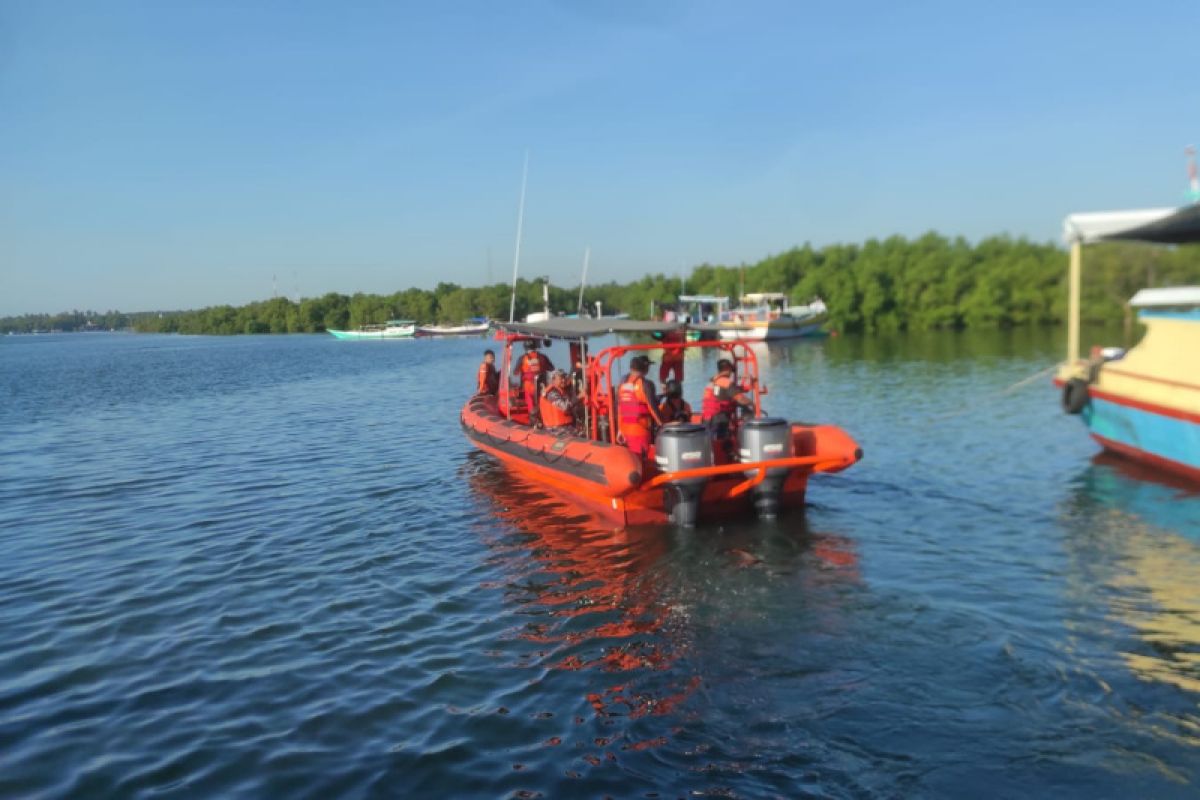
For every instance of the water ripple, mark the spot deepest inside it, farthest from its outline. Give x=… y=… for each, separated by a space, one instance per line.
x=273 y=567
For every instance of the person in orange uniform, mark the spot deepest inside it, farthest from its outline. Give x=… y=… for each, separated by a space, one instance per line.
x=532 y=368
x=636 y=408
x=555 y=406
x=722 y=397
x=672 y=407
x=672 y=358
x=489 y=378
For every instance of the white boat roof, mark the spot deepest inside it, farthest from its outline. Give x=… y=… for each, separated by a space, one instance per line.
x=1163 y=225
x=584 y=327
x=702 y=298
x=760 y=297
x=1172 y=297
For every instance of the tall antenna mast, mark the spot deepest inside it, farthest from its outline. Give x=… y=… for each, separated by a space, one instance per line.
x=512 y=302
x=583 y=281
x=1193 y=193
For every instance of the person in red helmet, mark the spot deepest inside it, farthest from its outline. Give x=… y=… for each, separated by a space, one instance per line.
x=636 y=407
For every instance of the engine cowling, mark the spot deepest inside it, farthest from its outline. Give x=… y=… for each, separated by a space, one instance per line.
x=764 y=439
x=682 y=446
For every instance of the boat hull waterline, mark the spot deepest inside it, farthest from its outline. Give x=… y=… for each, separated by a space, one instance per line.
x=614 y=483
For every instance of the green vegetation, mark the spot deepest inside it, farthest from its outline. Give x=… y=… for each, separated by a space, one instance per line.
x=925 y=283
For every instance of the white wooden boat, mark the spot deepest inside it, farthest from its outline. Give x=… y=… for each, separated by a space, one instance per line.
x=466 y=329
x=392 y=329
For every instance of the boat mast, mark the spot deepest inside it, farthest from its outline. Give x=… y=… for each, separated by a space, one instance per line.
x=583 y=281
x=512 y=302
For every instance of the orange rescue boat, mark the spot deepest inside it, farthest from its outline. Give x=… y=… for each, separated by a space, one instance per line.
x=688 y=475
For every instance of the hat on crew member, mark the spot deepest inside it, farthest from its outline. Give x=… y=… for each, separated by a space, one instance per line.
x=640 y=362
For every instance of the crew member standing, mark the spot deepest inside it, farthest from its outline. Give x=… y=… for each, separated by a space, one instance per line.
x=636 y=412
x=489 y=378
x=672 y=359
x=555 y=406
x=532 y=367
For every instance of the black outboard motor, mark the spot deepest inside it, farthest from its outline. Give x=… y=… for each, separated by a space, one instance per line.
x=764 y=439
x=681 y=446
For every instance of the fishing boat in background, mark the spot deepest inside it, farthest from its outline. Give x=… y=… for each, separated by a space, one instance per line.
x=688 y=475
x=1144 y=403
x=392 y=329
x=477 y=326
x=769 y=316
x=762 y=316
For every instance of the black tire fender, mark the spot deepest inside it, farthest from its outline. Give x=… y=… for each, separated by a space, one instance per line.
x=1075 y=396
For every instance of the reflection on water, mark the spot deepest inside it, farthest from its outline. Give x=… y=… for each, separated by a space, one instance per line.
x=273 y=567
x=1148 y=524
x=635 y=612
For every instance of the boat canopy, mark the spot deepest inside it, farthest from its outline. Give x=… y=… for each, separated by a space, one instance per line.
x=1162 y=225
x=703 y=298
x=764 y=297
x=1173 y=297
x=1157 y=225
x=584 y=328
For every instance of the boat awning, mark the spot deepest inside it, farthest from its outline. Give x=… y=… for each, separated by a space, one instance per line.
x=703 y=298
x=584 y=328
x=1173 y=297
x=1161 y=225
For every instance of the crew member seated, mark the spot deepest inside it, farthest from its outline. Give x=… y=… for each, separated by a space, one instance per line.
x=488 y=379
x=672 y=407
x=533 y=367
x=636 y=408
x=555 y=406
x=722 y=398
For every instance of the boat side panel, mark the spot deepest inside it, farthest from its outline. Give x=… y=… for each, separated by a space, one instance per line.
x=1137 y=430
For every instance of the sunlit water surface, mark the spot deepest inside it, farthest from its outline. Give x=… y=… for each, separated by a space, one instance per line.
x=273 y=567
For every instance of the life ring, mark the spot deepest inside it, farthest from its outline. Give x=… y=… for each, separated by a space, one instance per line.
x=1075 y=396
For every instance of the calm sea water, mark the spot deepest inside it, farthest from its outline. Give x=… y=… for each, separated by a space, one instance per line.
x=273 y=567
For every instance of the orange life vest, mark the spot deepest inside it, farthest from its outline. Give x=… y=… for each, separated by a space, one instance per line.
x=532 y=364
x=713 y=405
x=552 y=415
x=633 y=408
x=674 y=409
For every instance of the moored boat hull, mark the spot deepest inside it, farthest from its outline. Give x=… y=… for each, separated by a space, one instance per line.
x=771 y=331
x=393 y=330
x=1159 y=436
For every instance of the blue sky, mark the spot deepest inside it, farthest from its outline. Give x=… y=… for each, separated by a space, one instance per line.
x=173 y=155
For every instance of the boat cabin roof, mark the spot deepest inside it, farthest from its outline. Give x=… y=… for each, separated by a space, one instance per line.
x=1161 y=225
x=764 y=297
x=703 y=298
x=584 y=328
x=1174 y=297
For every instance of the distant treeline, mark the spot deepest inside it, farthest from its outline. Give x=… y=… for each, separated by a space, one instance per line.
x=893 y=284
